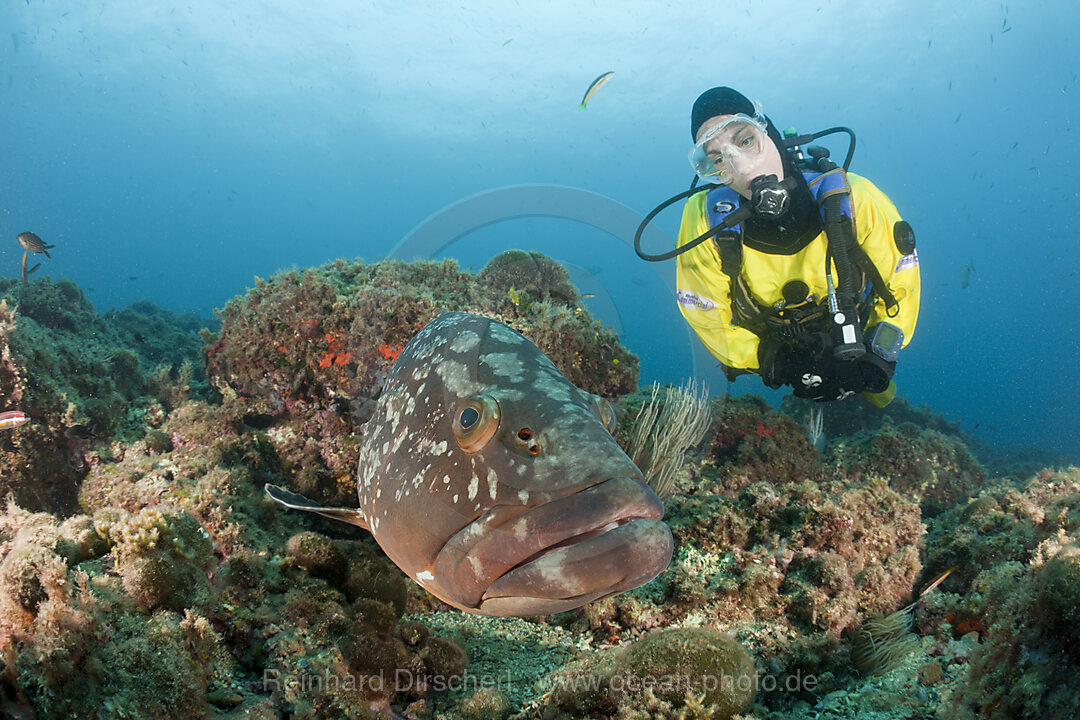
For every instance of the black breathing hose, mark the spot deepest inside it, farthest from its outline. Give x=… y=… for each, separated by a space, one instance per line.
x=845 y=275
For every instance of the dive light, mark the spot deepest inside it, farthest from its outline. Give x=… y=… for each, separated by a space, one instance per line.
x=845 y=332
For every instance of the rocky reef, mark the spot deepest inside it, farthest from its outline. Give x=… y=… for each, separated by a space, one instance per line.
x=143 y=573
x=85 y=379
x=304 y=353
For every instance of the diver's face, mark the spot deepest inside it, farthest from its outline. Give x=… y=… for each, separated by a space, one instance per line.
x=743 y=156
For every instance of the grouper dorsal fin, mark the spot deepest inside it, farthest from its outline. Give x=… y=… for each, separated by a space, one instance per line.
x=294 y=501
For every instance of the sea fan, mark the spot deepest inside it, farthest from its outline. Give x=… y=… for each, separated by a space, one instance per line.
x=665 y=428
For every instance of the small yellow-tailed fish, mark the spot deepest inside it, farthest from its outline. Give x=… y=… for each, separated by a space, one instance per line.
x=594 y=86
x=13 y=419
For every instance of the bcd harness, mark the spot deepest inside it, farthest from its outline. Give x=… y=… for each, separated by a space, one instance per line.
x=799 y=317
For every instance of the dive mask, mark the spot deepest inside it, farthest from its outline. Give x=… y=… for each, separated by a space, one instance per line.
x=733 y=145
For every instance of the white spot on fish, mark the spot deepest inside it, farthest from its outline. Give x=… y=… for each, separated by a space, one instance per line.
x=509 y=395
x=428 y=348
x=457 y=378
x=493 y=482
x=400 y=438
x=505 y=364
x=473 y=485
x=465 y=341
x=424 y=576
x=554 y=573
x=505 y=334
x=557 y=390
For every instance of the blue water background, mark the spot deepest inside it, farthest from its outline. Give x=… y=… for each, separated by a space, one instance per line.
x=174 y=152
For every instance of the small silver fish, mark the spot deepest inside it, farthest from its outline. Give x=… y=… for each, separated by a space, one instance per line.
x=492 y=481
x=34 y=244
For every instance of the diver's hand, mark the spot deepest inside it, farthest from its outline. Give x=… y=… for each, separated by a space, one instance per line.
x=831 y=379
x=804 y=370
x=774 y=363
x=781 y=364
x=875 y=372
x=818 y=375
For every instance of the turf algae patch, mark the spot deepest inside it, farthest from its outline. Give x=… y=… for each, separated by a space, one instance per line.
x=1059 y=594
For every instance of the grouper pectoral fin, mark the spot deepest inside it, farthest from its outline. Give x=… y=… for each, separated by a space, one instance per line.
x=294 y=501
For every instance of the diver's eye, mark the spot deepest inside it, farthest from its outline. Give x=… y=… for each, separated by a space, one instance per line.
x=607 y=414
x=475 y=422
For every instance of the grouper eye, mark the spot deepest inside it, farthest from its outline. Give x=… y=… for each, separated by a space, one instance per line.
x=607 y=414
x=475 y=422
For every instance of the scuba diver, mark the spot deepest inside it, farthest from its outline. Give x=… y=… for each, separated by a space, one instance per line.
x=789 y=266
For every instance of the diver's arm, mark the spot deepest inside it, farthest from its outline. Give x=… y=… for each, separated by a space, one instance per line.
x=705 y=294
x=876 y=219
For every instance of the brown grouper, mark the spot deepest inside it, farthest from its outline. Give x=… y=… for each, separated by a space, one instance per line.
x=495 y=483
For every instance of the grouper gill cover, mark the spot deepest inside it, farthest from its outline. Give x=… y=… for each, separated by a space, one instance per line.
x=495 y=483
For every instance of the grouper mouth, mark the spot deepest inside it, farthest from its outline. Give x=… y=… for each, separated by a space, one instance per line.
x=527 y=561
